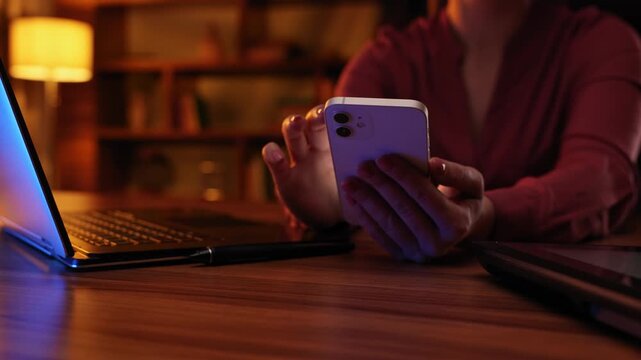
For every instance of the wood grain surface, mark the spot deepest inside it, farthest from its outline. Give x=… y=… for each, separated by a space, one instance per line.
x=351 y=306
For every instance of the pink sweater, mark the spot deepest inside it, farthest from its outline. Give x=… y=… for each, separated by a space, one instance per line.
x=562 y=133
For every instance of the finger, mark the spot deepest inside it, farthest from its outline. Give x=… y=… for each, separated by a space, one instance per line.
x=316 y=130
x=276 y=163
x=293 y=132
x=375 y=231
x=452 y=219
x=418 y=186
x=464 y=179
x=419 y=223
x=379 y=211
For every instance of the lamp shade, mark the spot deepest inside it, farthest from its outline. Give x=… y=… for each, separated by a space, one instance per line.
x=50 y=49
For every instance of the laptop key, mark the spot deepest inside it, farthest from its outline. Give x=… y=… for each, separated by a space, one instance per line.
x=118 y=228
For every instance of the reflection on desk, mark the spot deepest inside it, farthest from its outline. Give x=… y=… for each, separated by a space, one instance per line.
x=356 y=305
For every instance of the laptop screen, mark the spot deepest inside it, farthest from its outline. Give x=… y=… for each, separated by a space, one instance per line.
x=610 y=266
x=623 y=262
x=27 y=207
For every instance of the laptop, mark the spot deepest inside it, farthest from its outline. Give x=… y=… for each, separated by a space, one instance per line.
x=120 y=237
x=600 y=281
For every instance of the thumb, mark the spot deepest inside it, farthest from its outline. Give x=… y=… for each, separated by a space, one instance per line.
x=460 y=178
x=276 y=163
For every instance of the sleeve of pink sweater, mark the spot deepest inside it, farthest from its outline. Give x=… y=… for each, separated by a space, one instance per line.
x=593 y=185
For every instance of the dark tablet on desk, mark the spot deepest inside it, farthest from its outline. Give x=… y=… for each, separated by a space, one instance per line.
x=602 y=281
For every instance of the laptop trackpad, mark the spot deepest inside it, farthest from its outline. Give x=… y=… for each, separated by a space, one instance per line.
x=214 y=225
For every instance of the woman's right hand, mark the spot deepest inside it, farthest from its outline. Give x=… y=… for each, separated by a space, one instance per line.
x=305 y=183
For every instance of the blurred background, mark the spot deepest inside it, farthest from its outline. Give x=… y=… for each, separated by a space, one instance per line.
x=181 y=94
x=176 y=97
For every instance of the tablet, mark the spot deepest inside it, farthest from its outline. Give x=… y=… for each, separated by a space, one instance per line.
x=603 y=281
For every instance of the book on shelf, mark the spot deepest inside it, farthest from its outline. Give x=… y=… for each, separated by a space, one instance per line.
x=137 y=111
x=201 y=109
x=191 y=114
x=188 y=121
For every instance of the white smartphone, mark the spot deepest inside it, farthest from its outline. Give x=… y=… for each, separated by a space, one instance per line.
x=361 y=129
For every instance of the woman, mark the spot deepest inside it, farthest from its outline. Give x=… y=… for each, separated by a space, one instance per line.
x=534 y=122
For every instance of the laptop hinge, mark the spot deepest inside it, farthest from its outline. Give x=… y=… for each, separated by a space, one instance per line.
x=25 y=235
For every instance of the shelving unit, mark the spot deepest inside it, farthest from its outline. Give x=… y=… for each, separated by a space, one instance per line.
x=264 y=73
x=242 y=143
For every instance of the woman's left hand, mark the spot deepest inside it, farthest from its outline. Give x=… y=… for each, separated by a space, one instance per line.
x=415 y=216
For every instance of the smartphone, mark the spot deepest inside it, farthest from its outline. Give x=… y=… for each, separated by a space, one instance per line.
x=361 y=129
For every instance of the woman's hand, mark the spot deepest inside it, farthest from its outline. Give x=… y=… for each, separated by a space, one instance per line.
x=305 y=184
x=415 y=216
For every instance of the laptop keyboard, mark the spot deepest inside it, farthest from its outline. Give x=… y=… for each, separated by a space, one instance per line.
x=118 y=228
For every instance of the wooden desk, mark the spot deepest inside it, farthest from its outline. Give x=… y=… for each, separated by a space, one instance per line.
x=357 y=305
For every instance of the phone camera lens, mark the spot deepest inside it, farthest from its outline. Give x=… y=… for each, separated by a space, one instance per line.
x=341 y=118
x=343 y=131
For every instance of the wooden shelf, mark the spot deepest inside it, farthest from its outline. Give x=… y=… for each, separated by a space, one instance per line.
x=130 y=3
x=136 y=79
x=231 y=135
x=293 y=67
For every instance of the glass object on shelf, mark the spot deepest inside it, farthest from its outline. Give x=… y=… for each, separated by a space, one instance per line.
x=143 y=110
x=212 y=180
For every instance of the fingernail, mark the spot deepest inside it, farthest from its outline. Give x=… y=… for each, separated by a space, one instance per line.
x=385 y=163
x=437 y=167
x=296 y=122
x=350 y=200
x=348 y=186
x=366 y=169
x=273 y=153
x=319 y=110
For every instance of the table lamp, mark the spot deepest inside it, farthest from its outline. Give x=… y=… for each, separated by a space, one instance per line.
x=51 y=50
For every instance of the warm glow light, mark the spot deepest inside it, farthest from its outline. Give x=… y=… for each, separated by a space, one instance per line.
x=50 y=49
